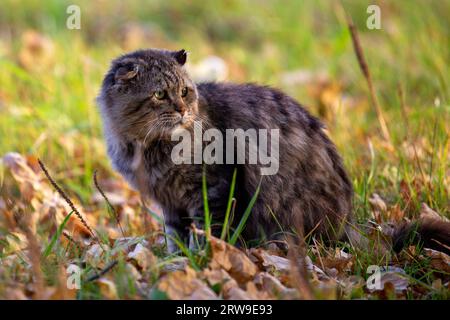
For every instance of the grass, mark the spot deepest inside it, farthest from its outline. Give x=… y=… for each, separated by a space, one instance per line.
x=47 y=109
x=231 y=199
x=56 y=236
x=240 y=227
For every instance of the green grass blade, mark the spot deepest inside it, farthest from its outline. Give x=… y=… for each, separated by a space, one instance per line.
x=154 y=215
x=245 y=216
x=56 y=236
x=205 y=203
x=186 y=251
x=229 y=205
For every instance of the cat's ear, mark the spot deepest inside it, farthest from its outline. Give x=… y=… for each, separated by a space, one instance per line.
x=126 y=72
x=180 y=56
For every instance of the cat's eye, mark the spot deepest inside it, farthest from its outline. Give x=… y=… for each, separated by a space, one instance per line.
x=160 y=94
x=184 y=92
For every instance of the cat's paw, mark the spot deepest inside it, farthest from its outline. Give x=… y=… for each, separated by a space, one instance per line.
x=171 y=246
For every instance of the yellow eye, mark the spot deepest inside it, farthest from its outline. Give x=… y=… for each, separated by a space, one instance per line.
x=160 y=94
x=184 y=92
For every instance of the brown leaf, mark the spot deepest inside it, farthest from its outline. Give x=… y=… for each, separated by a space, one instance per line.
x=218 y=276
x=143 y=257
x=439 y=260
x=427 y=213
x=249 y=292
x=202 y=293
x=340 y=261
x=46 y=202
x=16 y=293
x=107 y=288
x=174 y=265
x=377 y=203
x=395 y=214
x=231 y=259
x=271 y=262
x=62 y=292
x=184 y=284
x=268 y=283
x=236 y=293
x=393 y=278
x=95 y=254
x=17 y=241
x=29 y=181
x=37 y=51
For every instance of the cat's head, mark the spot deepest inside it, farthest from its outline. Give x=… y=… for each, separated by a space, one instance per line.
x=148 y=94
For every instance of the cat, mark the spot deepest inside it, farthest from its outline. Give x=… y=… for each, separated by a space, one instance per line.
x=147 y=96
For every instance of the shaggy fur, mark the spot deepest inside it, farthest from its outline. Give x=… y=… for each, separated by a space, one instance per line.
x=311 y=189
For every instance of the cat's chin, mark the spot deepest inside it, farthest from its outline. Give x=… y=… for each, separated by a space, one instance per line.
x=186 y=122
x=179 y=128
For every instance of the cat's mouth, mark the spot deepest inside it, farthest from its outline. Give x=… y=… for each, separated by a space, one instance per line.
x=166 y=125
x=186 y=120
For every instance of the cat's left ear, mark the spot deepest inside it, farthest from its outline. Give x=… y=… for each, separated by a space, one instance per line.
x=180 y=56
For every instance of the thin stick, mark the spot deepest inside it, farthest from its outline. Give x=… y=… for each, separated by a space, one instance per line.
x=102 y=272
x=67 y=199
x=24 y=223
x=72 y=240
x=365 y=70
x=297 y=256
x=116 y=216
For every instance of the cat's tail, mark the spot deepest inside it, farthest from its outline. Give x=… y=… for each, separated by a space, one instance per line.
x=426 y=232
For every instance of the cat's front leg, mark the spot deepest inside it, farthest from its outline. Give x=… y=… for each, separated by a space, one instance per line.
x=171 y=234
x=176 y=229
x=124 y=157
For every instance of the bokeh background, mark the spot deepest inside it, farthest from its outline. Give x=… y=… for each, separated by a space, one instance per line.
x=50 y=76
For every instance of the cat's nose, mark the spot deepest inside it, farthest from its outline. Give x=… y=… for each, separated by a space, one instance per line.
x=180 y=107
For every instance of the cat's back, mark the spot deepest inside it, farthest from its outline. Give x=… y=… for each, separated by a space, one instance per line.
x=253 y=106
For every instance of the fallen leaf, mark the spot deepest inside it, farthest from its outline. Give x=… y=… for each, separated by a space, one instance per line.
x=271 y=262
x=395 y=214
x=339 y=261
x=395 y=276
x=133 y=272
x=249 y=292
x=377 y=203
x=427 y=213
x=176 y=264
x=143 y=257
x=94 y=255
x=217 y=276
x=46 y=202
x=37 y=51
x=236 y=293
x=127 y=245
x=268 y=283
x=107 y=288
x=439 y=260
x=29 y=181
x=184 y=284
x=231 y=259
x=16 y=241
x=203 y=293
